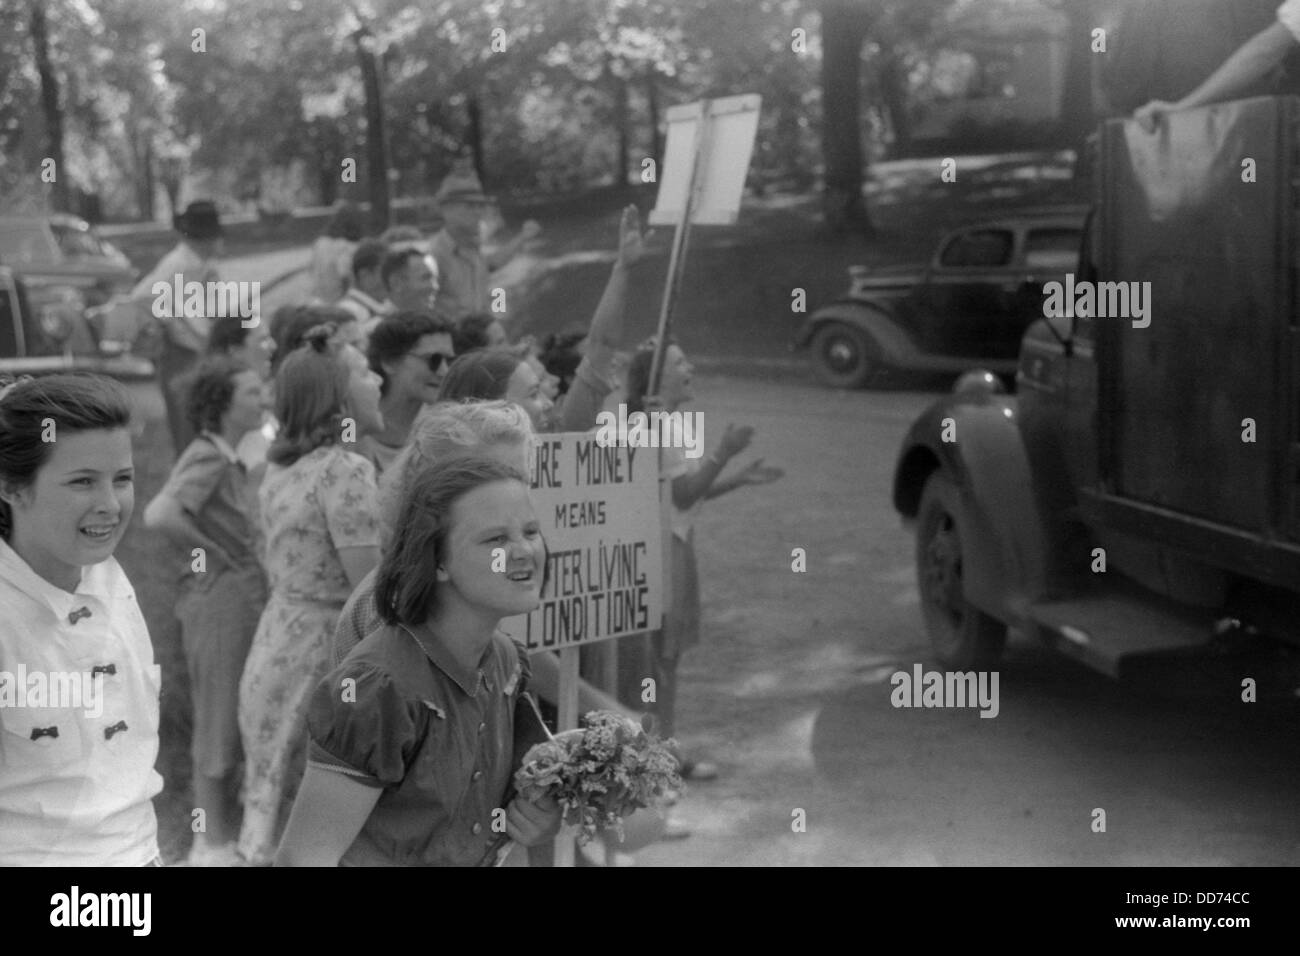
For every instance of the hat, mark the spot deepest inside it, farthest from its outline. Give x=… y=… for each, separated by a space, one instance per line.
x=199 y=221
x=461 y=185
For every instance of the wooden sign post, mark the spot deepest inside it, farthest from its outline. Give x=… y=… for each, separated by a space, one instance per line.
x=706 y=159
x=602 y=516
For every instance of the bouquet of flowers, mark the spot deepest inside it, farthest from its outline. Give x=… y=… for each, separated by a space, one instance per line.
x=600 y=773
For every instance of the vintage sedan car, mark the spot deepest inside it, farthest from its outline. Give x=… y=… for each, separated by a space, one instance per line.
x=56 y=337
x=969 y=305
x=59 y=253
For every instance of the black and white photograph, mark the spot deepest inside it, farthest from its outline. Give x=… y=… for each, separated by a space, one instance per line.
x=652 y=433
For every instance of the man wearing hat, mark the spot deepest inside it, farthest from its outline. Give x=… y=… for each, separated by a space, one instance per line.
x=183 y=338
x=463 y=270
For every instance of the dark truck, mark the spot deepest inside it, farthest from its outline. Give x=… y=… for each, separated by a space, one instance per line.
x=1141 y=493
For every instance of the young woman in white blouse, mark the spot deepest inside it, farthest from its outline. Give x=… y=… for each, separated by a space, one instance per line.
x=78 y=684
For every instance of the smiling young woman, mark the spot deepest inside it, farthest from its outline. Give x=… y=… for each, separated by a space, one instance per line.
x=412 y=736
x=76 y=787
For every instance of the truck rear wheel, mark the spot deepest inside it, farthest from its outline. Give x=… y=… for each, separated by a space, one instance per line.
x=847 y=357
x=962 y=636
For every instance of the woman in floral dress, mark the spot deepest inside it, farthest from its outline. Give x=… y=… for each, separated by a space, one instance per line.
x=318 y=515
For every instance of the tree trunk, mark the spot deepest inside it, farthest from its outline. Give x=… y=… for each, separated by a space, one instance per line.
x=327 y=183
x=172 y=173
x=146 y=178
x=652 y=107
x=376 y=143
x=50 y=105
x=1076 y=99
x=475 y=110
x=893 y=93
x=844 y=27
x=624 y=133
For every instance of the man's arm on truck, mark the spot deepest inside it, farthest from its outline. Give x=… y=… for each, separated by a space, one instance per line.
x=1254 y=60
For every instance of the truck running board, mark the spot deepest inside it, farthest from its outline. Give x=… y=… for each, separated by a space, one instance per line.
x=1103 y=628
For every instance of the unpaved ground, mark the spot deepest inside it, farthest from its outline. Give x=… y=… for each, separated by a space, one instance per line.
x=790 y=693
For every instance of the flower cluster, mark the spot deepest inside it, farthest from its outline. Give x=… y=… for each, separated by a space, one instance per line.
x=600 y=773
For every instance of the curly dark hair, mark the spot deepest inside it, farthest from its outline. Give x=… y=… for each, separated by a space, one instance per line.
x=638 y=373
x=396 y=335
x=209 y=392
x=561 y=357
x=471 y=332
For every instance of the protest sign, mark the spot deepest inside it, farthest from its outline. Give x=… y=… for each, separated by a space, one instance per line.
x=600 y=514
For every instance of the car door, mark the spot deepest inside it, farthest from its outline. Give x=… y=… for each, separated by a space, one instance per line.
x=12 y=337
x=966 y=304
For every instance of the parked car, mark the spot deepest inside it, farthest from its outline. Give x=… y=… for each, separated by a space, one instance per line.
x=56 y=338
x=64 y=252
x=970 y=304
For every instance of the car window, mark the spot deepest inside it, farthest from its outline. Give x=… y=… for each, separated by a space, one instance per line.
x=979 y=248
x=1056 y=250
x=22 y=242
x=77 y=243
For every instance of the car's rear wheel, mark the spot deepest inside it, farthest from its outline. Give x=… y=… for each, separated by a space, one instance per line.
x=848 y=357
x=962 y=636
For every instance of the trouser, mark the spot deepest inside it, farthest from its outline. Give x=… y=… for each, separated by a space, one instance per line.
x=173 y=365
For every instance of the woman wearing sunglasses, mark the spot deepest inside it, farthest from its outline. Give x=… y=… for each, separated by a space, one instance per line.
x=411 y=352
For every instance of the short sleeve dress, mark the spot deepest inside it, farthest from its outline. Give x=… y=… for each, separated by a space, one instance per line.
x=310 y=509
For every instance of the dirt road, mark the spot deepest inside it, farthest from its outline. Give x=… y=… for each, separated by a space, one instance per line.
x=790 y=693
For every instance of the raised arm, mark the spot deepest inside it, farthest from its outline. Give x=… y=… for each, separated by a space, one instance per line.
x=688 y=489
x=1253 y=61
x=606 y=332
x=508 y=250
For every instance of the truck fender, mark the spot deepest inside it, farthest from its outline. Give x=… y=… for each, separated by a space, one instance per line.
x=1004 y=546
x=875 y=320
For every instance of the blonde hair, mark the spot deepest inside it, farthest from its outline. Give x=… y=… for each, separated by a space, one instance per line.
x=443 y=431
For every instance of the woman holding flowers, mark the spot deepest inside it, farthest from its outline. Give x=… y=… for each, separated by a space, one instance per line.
x=412 y=737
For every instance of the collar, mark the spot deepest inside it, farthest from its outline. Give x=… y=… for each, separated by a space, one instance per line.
x=223 y=446
x=467 y=679
x=102 y=581
x=369 y=301
x=463 y=250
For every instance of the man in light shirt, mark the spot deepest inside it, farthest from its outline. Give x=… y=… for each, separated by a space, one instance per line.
x=411 y=277
x=367 y=299
x=184 y=338
x=463 y=268
x=1254 y=60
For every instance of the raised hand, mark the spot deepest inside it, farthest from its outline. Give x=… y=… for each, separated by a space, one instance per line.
x=1150 y=115
x=530 y=230
x=735 y=440
x=756 y=473
x=632 y=241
